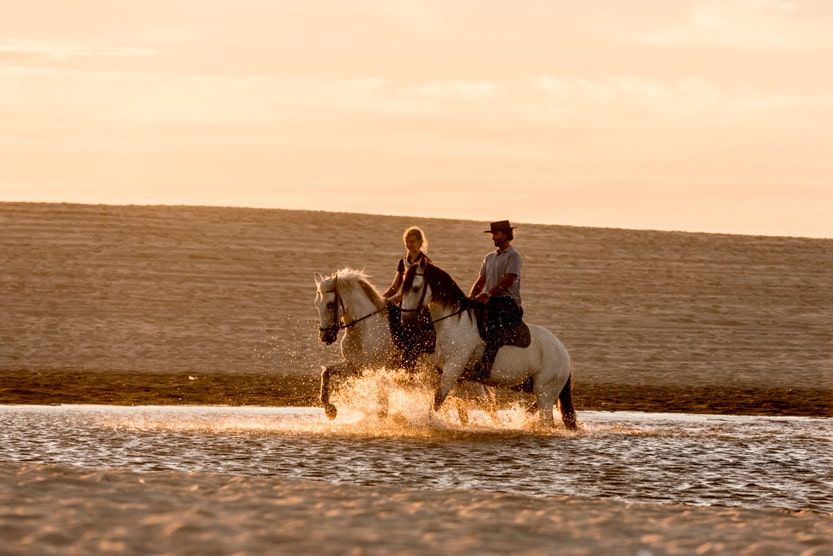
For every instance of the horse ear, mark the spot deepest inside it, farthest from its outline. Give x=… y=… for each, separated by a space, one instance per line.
x=423 y=262
x=318 y=279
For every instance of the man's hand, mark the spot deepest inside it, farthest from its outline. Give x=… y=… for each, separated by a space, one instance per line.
x=395 y=299
x=477 y=287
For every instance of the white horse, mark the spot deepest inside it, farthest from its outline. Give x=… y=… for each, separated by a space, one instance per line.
x=545 y=362
x=347 y=300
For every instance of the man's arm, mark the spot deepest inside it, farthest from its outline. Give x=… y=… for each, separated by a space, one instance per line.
x=507 y=280
x=477 y=287
x=501 y=286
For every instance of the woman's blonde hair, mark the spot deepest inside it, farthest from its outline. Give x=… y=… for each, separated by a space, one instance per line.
x=414 y=231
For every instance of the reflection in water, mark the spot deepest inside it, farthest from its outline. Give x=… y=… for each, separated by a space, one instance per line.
x=716 y=460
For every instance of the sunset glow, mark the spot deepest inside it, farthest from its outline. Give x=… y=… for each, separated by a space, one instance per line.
x=700 y=115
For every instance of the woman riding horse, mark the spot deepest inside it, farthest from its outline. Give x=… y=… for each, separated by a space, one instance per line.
x=418 y=336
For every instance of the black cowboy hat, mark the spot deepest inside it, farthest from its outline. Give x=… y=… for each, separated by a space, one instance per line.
x=499 y=226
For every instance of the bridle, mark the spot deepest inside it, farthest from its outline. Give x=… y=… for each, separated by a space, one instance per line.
x=421 y=303
x=338 y=324
x=419 y=306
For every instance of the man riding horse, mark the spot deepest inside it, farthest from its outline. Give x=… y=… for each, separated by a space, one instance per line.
x=499 y=287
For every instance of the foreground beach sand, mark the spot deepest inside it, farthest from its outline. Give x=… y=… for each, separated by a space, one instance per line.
x=49 y=509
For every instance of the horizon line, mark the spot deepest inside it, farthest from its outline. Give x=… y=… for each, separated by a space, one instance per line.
x=390 y=215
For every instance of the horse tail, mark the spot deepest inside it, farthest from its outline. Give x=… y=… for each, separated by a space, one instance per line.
x=565 y=404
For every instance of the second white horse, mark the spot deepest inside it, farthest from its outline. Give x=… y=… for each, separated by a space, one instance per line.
x=545 y=362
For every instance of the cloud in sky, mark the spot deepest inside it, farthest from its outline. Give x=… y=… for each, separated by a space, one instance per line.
x=746 y=24
x=130 y=98
x=285 y=100
x=22 y=49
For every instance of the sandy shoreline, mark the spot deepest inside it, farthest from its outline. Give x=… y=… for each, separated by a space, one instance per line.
x=148 y=388
x=210 y=290
x=110 y=304
x=61 y=510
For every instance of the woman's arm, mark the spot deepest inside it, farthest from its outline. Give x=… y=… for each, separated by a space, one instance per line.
x=394 y=287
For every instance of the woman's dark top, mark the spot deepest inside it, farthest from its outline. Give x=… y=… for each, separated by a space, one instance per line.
x=414 y=339
x=404 y=263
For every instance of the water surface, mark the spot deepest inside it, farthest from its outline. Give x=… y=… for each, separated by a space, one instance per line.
x=754 y=462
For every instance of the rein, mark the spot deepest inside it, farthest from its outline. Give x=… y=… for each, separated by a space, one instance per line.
x=457 y=312
x=338 y=323
x=421 y=298
x=421 y=304
x=356 y=321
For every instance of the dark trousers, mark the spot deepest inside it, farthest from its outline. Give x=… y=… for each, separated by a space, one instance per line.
x=503 y=314
x=412 y=339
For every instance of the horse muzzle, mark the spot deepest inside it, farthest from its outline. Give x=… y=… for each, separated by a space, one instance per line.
x=409 y=315
x=328 y=335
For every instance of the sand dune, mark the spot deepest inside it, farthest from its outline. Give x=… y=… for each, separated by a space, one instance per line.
x=197 y=289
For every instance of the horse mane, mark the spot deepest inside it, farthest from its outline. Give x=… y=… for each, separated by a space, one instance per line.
x=350 y=276
x=444 y=290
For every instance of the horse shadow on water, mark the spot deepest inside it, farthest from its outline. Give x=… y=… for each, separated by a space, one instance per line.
x=347 y=300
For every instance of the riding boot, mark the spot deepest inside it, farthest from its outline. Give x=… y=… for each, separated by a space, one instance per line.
x=411 y=346
x=483 y=368
x=409 y=356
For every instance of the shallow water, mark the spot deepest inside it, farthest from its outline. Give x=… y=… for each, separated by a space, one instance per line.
x=754 y=462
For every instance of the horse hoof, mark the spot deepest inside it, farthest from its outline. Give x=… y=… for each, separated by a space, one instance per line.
x=331 y=411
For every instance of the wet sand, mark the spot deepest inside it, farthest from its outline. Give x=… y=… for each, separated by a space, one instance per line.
x=264 y=389
x=63 y=510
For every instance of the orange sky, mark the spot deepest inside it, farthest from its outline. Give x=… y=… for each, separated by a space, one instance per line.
x=702 y=115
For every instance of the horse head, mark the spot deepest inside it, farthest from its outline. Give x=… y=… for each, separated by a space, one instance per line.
x=328 y=303
x=416 y=292
x=425 y=285
x=344 y=299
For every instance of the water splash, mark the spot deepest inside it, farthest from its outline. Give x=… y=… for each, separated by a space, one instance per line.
x=381 y=404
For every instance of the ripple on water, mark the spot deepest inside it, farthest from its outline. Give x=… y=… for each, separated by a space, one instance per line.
x=753 y=462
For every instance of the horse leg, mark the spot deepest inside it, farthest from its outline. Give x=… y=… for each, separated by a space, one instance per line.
x=462 y=412
x=546 y=402
x=466 y=392
x=329 y=409
x=565 y=404
x=447 y=382
x=382 y=397
x=490 y=399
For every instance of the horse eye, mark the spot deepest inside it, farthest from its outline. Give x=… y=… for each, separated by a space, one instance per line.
x=330 y=305
x=416 y=289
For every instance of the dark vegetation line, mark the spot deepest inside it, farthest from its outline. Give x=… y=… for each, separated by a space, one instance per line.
x=263 y=389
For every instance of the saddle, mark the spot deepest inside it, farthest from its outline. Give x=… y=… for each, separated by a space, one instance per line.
x=517 y=335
